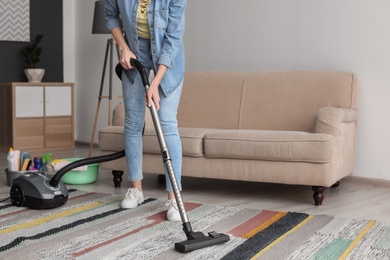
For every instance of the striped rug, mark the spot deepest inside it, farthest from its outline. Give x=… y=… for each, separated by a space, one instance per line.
x=92 y=226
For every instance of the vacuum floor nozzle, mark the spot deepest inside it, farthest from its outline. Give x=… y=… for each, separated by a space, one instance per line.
x=198 y=240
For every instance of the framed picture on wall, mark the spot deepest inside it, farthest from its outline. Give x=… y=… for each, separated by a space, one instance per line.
x=15 y=20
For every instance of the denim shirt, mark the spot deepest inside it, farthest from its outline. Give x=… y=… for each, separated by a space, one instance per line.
x=166 y=24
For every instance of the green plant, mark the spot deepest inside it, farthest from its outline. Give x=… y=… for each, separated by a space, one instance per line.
x=32 y=52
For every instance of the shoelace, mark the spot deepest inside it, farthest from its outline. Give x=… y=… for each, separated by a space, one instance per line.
x=133 y=192
x=173 y=203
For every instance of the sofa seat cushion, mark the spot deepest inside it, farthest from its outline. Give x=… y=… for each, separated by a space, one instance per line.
x=291 y=146
x=111 y=138
x=191 y=141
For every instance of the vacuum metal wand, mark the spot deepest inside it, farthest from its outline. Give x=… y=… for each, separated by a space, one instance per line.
x=195 y=240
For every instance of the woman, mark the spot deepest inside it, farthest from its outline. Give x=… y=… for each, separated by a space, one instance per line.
x=153 y=32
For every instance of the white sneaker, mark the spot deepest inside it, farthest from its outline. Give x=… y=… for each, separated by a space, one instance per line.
x=132 y=199
x=173 y=211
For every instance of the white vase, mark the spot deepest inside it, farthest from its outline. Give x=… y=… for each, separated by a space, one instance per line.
x=34 y=75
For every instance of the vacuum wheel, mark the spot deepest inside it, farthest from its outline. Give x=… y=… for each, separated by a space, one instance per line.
x=17 y=195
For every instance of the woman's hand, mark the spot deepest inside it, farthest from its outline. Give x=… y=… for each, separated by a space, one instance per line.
x=126 y=55
x=153 y=95
x=124 y=49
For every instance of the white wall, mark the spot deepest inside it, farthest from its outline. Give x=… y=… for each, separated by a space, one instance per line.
x=69 y=20
x=250 y=35
x=84 y=66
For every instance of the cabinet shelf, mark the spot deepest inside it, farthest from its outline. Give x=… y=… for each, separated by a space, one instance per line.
x=36 y=116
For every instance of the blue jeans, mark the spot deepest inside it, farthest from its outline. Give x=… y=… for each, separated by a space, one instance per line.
x=135 y=108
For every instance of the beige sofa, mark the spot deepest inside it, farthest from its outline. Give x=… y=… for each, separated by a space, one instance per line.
x=277 y=127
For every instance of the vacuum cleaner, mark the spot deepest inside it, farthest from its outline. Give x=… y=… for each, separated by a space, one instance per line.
x=42 y=191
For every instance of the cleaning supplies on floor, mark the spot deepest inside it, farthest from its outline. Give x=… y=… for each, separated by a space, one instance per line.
x=22 y=161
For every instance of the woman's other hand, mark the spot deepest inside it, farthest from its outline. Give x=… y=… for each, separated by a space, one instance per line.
x=153 y=95
x=126 y=55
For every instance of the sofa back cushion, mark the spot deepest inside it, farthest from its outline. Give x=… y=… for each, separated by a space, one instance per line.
x=290 y=100
x=211 y=100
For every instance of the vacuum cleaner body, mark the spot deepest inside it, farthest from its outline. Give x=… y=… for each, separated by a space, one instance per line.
x=33 y=190
x=45 y=191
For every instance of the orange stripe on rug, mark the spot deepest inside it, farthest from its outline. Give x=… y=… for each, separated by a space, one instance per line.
x=282 y=237
x=264 y=225
x=252 y=223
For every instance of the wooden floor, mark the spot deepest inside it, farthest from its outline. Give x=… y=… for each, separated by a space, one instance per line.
x=354 y=198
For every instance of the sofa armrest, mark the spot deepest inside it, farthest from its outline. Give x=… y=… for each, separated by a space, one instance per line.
x=329 y=119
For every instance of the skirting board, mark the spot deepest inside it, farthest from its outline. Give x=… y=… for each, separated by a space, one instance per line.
x=372 y=181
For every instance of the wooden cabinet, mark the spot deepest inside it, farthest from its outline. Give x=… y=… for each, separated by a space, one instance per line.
x=36 y=116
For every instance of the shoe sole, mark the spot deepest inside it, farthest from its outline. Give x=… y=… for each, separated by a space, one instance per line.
x=132 y=207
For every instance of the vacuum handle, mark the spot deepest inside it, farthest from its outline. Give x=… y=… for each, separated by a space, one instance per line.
x=135 y=63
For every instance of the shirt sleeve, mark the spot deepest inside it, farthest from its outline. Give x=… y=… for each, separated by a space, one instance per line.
x=174 y=33
x=113 y=19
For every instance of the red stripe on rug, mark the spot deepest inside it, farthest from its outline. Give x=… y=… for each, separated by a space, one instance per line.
x=191 y=205
x=82 y=195
x=158 y=218
x=162 y=216
x=14 y=213
x=114 y=239
x=252 y=223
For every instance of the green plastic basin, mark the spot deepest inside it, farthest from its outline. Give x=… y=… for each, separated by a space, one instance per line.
x=81 y=177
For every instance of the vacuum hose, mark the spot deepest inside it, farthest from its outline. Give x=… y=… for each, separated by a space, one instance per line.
x=98 y=159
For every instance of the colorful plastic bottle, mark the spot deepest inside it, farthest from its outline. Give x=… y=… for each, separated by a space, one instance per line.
x=37 y=163
x=10 y=160
x=16 y=160
x=47 y=166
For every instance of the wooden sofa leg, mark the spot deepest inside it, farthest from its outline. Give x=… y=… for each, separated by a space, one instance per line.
x=117 y=178
x=161 y=179
x=318 y=195
x=337 y=184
